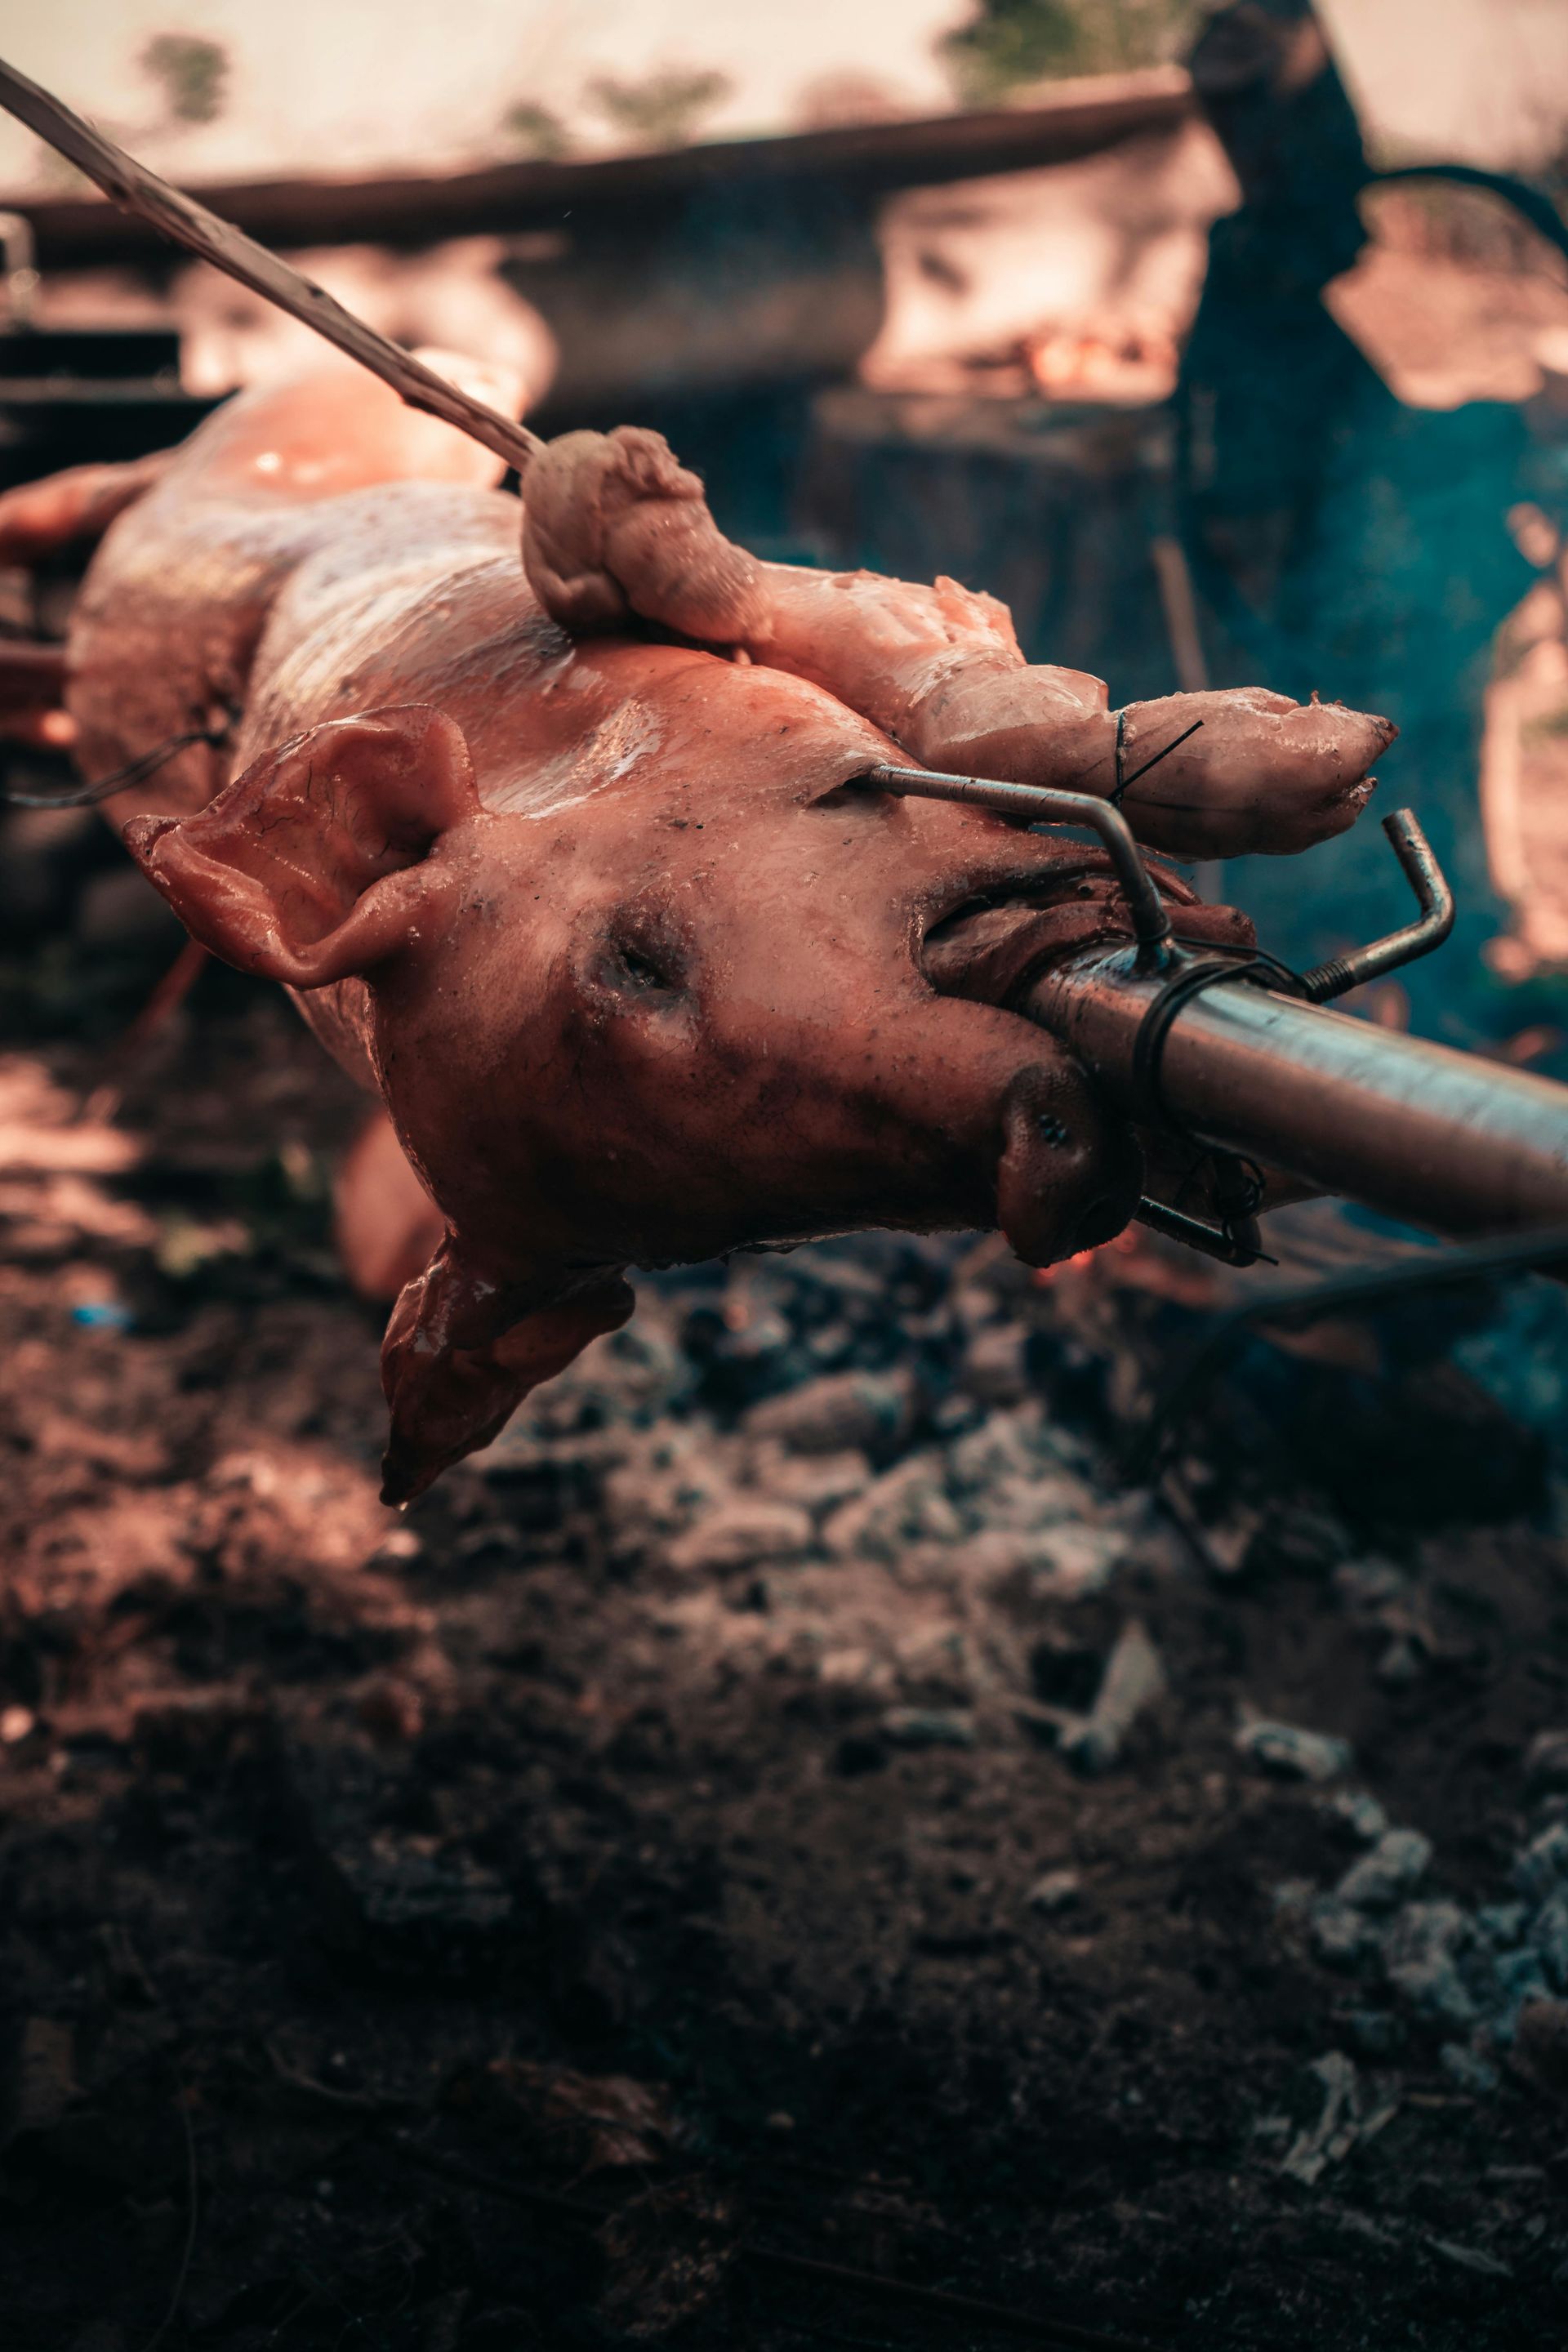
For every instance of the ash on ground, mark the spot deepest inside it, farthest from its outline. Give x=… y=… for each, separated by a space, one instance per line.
x=799 y=1791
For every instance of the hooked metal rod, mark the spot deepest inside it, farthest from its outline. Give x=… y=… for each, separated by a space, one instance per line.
x=1429 y=930
x=180 y=219
x=1043 y=805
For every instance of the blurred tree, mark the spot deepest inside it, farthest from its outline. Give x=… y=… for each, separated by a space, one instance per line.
x=192 y=74
x=1011 y=42
x=539 y=131
x=664 y=108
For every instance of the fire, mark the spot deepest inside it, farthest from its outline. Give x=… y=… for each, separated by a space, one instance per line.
x=1123 y=1244
x=1130 y=359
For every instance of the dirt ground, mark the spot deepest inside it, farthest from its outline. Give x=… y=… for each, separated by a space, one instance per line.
x=656 y=1891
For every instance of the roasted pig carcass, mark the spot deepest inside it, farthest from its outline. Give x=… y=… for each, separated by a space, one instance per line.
x=569 y=860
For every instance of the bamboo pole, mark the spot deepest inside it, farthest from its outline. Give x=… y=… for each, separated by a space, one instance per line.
x=179 y=217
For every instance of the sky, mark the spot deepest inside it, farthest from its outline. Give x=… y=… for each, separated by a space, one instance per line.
x=330 y=86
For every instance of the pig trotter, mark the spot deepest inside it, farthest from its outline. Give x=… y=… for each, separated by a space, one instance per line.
x=617 y=531
x=455 y=1367
x=38 y=518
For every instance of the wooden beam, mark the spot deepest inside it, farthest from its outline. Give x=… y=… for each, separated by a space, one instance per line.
x=870 y=160
x=185 y=223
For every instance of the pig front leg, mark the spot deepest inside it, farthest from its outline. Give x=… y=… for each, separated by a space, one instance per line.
x=615 y=532
x=457 y=1361
x=1220 y=774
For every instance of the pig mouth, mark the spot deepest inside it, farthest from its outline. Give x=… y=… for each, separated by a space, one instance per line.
x=995 y=942
x=1069 y=1171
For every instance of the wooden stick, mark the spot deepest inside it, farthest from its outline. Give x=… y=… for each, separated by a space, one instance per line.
x=136 y=190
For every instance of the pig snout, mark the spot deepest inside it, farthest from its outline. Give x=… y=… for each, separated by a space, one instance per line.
x=1069 y=1175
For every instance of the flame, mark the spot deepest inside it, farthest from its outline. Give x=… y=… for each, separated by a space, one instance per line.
x=1113 y=359
x=1123 y=1244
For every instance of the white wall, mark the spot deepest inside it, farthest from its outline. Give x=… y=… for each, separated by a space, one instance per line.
x=338 y=85
x=346 y=85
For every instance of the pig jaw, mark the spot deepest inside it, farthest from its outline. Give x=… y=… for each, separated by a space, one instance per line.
x=530 y=1269
x=967 y=1126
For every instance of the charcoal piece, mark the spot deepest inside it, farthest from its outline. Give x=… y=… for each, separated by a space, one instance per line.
x=928 y=1726
x=1541 y=2046
x=1381 y=1878
x=738 y=1532
x=869 y=1410
x=1421 y=1954
x=1546 y=1761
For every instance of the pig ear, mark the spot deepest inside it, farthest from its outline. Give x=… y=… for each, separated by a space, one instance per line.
x=458 y=1361
x=312 y=865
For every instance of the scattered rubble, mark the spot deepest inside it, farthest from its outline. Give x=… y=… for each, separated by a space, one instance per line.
x=1290 y=1753
x=1353 y=2110
x=1134 y=1677
x=1476 y=1973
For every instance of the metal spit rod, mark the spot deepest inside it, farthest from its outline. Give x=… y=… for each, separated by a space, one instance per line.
x=1442 y=1139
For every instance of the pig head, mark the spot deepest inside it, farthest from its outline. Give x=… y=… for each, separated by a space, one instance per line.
x=685 y=1011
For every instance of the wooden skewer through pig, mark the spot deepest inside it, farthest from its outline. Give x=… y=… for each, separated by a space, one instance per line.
x=179 y=217
x=569 y=860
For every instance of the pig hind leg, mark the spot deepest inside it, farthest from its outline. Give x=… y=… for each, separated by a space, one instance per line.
x=73 y=509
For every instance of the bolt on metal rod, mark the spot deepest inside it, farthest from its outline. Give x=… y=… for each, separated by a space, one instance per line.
x=1432 y=926
x=1043 y=805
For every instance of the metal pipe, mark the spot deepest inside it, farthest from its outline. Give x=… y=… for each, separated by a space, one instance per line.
x=1442 y=1139
x=1436 y=920
x=1042 y=804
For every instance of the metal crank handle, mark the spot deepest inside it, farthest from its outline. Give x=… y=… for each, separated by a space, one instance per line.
x=1432 y=926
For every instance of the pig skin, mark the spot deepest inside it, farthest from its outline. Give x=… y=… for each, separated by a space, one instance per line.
x=636 y=968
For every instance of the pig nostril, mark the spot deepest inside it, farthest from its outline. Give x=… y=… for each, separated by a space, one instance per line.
x=1053 y=1131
